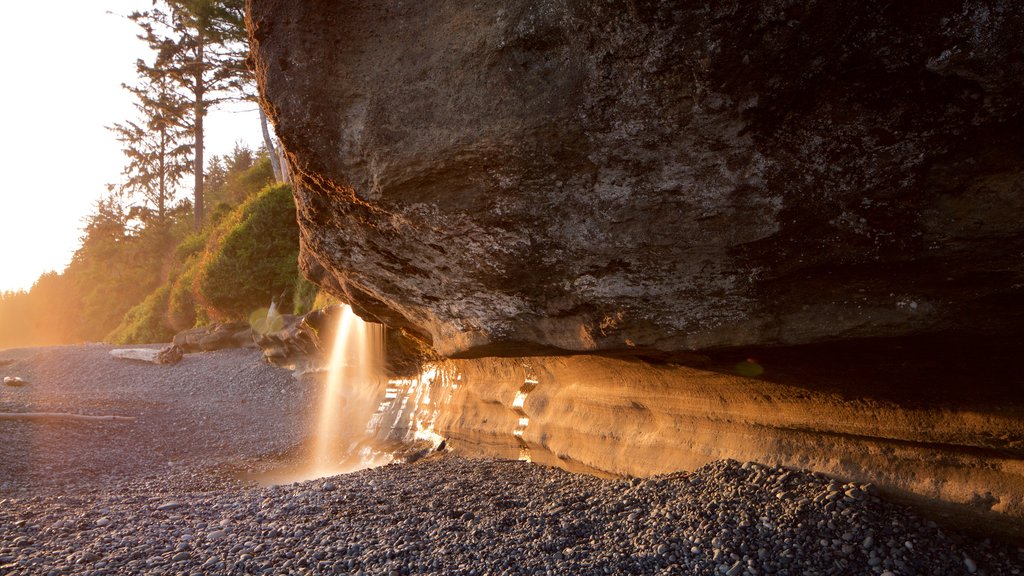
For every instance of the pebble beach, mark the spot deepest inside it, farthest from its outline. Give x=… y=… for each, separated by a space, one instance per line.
x=166 y=493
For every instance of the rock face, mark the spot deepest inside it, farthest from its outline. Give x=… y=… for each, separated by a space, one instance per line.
x=825 y=196
x=654 y=176
x=622 y=417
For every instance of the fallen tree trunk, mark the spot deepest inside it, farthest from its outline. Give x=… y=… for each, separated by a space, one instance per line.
x=62 y=416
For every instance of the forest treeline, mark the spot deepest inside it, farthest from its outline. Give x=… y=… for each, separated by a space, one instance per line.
x=151 y=262
x=137 y=282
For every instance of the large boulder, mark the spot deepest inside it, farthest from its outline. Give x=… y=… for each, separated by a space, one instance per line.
x=599 y=176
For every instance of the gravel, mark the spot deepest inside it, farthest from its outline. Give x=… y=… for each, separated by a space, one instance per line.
x=216 y=409
x=163 y=495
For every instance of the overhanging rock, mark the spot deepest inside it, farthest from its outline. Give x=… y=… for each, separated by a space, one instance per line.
x=654 y=176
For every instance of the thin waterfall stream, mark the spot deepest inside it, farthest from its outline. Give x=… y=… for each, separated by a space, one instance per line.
x=351 y=394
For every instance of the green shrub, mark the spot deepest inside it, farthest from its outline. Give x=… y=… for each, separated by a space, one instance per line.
x=256 y=177
x=181 y=305
x=324 y=299
x=305 y=295
x=145 y=323
x=192 y=244
x=252 y=257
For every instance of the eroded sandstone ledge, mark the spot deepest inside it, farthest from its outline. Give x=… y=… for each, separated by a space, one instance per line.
x=963 y=463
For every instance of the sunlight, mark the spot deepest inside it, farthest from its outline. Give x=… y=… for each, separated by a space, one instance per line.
x=64 y=154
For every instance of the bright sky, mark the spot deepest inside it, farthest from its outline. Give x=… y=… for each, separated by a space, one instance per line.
x=62 y=66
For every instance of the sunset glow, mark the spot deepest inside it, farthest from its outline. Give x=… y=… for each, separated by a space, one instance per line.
x=64 y=63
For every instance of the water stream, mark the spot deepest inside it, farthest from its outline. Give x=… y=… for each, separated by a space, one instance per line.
x=352 y=392
x=365 y=420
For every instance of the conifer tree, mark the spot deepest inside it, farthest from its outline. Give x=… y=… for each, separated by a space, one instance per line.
x=200 y=46
x=157 y=144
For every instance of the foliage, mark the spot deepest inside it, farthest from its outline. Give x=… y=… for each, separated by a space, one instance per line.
x=156 y=145
x=142 y=284
x=252 y=257
x=305 y=295
x=181 y=306
x=36 y=317
x=192 y=244
x=116 y=266
x=324 y=299
x=144 y=322
x=143 y=256
x=233 y=177
x=200 y=48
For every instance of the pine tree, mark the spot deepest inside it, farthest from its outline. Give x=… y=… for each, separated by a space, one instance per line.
x=157 y=145
x=200 y=46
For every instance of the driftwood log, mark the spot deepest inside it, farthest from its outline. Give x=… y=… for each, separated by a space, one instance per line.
x=44 y=416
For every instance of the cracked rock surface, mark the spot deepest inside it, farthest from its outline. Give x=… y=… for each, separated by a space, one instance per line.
x=637 y=176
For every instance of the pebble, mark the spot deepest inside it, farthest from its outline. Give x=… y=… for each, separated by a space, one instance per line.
x=410 y=519
x=438 y=516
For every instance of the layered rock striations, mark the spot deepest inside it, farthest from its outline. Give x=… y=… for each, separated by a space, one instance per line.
x=793 y=230
x=654 y=175
x=618 y=417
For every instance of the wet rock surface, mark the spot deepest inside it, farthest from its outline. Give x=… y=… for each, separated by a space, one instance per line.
x=515 y=180
x=302 y=343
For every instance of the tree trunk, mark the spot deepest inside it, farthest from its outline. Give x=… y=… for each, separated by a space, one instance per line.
x=200 y=110
x=275 y=162
x=286 y=174
x=161 y=199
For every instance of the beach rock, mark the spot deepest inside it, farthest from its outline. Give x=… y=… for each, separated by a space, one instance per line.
x=14 y=381
x=217 y=336
x=665 y=176
x=292 y=343
x=170 y=355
